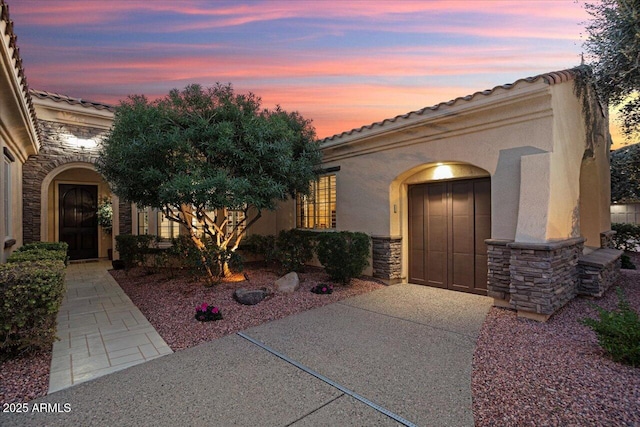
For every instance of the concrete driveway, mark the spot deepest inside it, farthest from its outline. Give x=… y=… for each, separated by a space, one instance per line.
x=398 y=355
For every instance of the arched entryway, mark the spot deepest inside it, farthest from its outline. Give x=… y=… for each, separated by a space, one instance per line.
x=448 y=219
x=70 y=195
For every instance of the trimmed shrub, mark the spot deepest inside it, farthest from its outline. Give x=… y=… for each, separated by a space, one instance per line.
x=133 y=248
x=627 y=264
x=344 y=255
x=49 y=246
x=293 y=249
x=627 y=236
x=618 y=331
x=31 y=293
x=264 y=246
x=37 y=255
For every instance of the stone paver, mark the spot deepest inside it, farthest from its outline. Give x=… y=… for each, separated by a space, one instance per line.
x=100 y=329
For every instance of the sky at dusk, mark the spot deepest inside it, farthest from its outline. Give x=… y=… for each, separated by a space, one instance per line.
x=342 y=64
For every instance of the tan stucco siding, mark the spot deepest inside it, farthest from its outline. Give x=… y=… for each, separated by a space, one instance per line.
x=371 y=186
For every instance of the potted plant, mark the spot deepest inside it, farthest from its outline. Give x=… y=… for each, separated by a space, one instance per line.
x=105 y=215
x=105 y=219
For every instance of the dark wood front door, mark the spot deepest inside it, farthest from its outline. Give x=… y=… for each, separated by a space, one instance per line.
x=78 y=221
x=448 y=223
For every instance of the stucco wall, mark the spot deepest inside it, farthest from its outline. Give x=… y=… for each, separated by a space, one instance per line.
x=494 y=136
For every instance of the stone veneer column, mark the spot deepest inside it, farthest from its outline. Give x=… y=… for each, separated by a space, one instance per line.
x=125 y=218
x=387 y=258
x=498 y=271
x=544 y=276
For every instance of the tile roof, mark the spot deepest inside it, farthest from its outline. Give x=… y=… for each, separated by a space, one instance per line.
x=56 y=97
x=4 y=16
x=551 y=78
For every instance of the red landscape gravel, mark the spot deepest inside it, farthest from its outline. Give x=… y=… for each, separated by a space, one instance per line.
x=24 y=378
x=170 y=304
x=527 y=373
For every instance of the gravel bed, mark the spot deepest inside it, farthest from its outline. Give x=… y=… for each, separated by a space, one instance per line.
x=24 y=378
x=170 y=303
x=527 y=373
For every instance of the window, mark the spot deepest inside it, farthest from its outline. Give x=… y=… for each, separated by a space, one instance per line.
x=143 y=221
x=234 y=217
x=318 y=209
x=167 y=229
x=6 y=192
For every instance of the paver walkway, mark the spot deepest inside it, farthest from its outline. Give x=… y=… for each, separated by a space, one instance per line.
x=100 y=329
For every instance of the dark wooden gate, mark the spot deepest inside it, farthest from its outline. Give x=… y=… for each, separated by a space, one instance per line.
x=78 y=220
x=448 y=223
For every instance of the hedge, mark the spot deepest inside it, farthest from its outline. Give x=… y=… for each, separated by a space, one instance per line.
x=31 y=293
x=37 y=255
x=49 y=246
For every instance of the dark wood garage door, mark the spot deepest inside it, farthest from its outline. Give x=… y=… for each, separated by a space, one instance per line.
x=78 y=220
x=448 y=223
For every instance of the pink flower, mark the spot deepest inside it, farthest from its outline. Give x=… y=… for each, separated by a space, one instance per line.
x=324 y=289
x=215 y=310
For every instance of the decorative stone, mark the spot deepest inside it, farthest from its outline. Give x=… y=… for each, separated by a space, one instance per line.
x=288 y=283
x=250 y=296
x=387 y=258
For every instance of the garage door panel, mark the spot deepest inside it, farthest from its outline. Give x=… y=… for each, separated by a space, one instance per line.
x=416 y=267
x=462 y=234
x=448 y=223
x=436 y=234
x=481 y=272
x=437 y=268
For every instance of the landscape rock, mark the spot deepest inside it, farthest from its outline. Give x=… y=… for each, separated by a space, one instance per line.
x=288 y=283
x=250 y=296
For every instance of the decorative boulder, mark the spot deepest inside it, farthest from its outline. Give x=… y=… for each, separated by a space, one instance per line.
x=288 y=283
x=250 y=296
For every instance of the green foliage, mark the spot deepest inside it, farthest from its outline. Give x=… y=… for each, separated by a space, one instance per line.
x=262 y=245
x=344 y=255
x=627 y=264
x=613 y=45
x=36 y=254
x=200 y=262
x=625 y=174
x=105 y=215
x=293 y=249
x=627 y=236
x=30 y=296
x=133 y=248
x=210 y=150
x=618 y=331
x=50 y=246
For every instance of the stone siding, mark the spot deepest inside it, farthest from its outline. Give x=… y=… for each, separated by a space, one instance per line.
x=387 y=258
x=498 y=268
x=55 y=151
x=125 y=217
x=598 y=271
x=544 y=276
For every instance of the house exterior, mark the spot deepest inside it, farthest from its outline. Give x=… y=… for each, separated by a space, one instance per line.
x=19 y=136
x=498 y=193
x=502 y=193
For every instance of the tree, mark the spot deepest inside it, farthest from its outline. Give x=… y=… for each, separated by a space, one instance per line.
x=613 y=46
x=625 y=174
x=197 y=153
